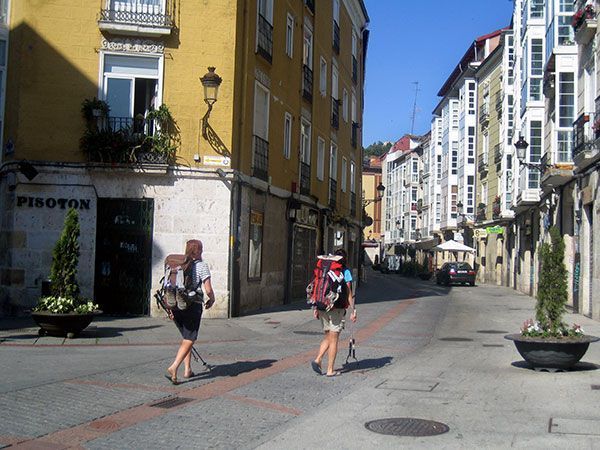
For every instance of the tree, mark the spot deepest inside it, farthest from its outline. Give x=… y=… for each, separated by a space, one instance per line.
x=552 y=289
x=65 y=258
x=377 y=148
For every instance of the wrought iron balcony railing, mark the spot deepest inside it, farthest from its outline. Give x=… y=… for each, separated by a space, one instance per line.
x=332 y=193
x=260 y=160
x=265 y=38
x=335 y=113
x=482 y=162
x=143 y=14
x=497 y=153
x=307 y=83
x=310 y=4
x=304 y=178
x=336 y=37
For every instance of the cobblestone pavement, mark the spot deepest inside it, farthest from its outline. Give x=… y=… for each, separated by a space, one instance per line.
x=104 y=389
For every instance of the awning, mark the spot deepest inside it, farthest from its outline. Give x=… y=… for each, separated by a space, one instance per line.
x=453 y=246
x=427 y=244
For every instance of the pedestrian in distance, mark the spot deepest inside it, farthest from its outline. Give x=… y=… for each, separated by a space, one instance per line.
x=188 y=320
x=333 y=322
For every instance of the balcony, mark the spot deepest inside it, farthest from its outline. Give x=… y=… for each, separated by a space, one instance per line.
x=335 y=113
x=336 y=37
x=497 y=153
x=482 y=163
x=584 y=23
x=354 y=69
x=304 y=178
x=484 y=114
x=555 y=174
x=354 y=139
x=260 y=158
x=136 y=17
x=586 y=142
x=307 y=83
x=332 y=193
x=265 y=38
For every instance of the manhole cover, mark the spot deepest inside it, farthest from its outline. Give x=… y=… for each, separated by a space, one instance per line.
x=407 y=426
x=309 y=333
x=492 y=331
x=456 y=339
x=171 y=402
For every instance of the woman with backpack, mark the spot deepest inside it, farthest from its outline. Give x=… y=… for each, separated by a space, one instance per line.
x=188 y=320
x=333 y=322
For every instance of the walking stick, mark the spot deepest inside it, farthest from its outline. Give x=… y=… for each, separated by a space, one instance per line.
x=351 y=346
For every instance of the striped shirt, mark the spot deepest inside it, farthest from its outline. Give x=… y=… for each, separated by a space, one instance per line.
x=201 y=272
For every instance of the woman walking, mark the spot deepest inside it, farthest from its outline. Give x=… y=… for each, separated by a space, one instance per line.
x=188 y=320
x=333 y=322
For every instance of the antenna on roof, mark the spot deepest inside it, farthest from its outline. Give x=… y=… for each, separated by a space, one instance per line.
x=414 y=111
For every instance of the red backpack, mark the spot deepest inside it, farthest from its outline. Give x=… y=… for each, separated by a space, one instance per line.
x=327 y=286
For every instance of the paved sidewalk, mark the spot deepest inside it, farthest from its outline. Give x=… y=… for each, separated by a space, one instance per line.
x=426 y=352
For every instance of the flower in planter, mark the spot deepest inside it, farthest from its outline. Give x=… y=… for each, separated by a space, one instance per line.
x=581 y=15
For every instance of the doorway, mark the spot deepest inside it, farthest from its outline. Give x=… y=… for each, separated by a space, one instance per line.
x=303 y=260
x=122 y=281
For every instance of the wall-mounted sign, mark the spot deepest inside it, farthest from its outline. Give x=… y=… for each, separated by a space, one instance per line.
x=216 y=161
x=307 y=216
x=496 y=229
x=51 y=202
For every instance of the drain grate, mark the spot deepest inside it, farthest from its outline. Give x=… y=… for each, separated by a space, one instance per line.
x=493 y=345
x=309 y=333
x=407 y=426
x=171 y=402
x=492 y=331
x=595 y=387
x=456 y=339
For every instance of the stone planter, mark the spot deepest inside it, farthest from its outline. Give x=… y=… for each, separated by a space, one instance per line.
x=69 y=325
x=551 y=353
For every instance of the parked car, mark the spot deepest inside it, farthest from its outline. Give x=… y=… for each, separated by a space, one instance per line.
x=455 y=272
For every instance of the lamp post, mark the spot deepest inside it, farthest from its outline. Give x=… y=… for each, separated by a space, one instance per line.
x=521 y=146
x=380 y=189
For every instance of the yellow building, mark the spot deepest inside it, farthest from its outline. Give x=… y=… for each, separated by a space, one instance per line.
x=267 y=175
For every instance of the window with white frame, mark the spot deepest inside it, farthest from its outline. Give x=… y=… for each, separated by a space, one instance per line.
x=345 y=105
x=334 y=82
x=287 y=135
x=353 y=109
x=344 y=173
x=131 y=86
x=536 y=9
x=320 y=158
x=307 y=53
x=565 y=29
x=289 y=36
x=305 y=141
x=323 y=77
x=264 y=29
x=333 y=161
x=537 y=69
x=352 y=177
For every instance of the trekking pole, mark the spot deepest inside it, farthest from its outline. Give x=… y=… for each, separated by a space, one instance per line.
x=351 y=346
x=197 y=357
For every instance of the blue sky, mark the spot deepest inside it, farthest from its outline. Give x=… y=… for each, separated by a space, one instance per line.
x=416 y=40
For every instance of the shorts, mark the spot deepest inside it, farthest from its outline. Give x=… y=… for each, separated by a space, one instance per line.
x=188 y=321
x=333 y=320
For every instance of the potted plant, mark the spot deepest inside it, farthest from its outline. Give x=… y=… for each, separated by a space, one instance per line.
x=425 y=273
x=547 y=342
x=64 y=312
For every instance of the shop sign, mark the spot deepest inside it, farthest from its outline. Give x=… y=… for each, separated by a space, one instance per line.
x=24 y=201
x=307 y=216
x=480 y=233
x=496 y=229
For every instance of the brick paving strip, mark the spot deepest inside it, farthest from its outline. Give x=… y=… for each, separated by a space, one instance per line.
x=78 y=435
x=6 y=343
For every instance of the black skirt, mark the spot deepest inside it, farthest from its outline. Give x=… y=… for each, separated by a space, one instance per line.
x=188 y=321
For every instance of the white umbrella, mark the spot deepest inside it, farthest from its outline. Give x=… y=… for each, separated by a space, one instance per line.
x=453 y=246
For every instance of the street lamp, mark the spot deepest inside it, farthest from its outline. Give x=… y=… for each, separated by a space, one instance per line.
x=380 y=189
x=211 y=82
x=521 y=146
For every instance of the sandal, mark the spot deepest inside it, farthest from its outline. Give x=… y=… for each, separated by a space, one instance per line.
x=316 y=367
x=191 y=375
x=172 y=379
x=334 y=374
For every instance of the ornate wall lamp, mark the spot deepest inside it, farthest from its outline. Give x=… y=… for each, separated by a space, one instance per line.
x=211 y=82
x=521 y=146
x=380 y=189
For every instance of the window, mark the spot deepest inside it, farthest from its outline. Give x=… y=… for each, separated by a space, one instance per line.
x=320 y=158
x=353 y=109
x=131 y=87
x=537 y=69
x=334 y=82
x=333 y=162
x=305 y=141
x=345 y=105
x=536 y=9
x=307 y=54
x=344 y=173
x=323 y=77
x=287 y=135
x=352 y=177
x=264 y=29
x=566 y=99
x=535 y=151
x=261 y=111
x=255 y=245
x=289 y=36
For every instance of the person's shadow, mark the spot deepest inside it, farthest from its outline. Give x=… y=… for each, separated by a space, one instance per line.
x=229 y=370
x=366 y=365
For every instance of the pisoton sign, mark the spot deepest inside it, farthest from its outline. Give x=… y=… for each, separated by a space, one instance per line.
x=51 y=202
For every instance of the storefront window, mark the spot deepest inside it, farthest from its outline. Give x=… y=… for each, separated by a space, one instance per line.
x=255 y=245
